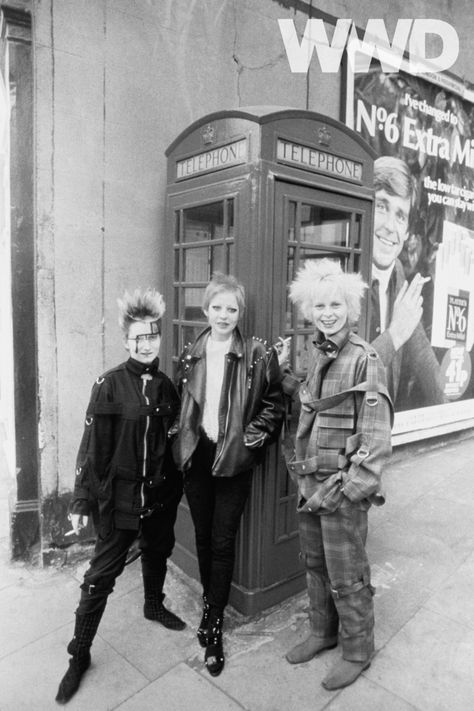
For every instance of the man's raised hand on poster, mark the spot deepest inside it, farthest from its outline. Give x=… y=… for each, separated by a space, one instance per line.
x=407 y=311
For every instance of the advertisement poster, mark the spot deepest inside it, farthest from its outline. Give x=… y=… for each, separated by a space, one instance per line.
x=431 y=129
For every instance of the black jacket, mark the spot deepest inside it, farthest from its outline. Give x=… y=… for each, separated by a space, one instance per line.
x=251 y=405
x=124 y=467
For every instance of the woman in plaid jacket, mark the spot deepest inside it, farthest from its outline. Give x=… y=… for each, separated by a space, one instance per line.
x=342 y=443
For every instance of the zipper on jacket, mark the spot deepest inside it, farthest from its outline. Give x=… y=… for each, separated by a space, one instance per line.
x=145 y=377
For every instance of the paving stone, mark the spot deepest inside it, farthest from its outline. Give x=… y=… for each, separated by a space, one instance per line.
x=34 y=606
x=455 y=599
x=147 y=645
x=429 y=664
x=364 y=695
x=29 y=678
x=179 y=690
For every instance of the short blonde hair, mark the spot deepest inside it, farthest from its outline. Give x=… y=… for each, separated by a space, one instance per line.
x=317 y=275
x=145 y=305
x=224 y=282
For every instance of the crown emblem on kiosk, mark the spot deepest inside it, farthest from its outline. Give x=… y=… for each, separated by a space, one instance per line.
x=324 y=136
x=208 y=134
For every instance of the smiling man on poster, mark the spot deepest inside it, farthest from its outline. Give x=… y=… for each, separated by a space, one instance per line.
x=395 y=329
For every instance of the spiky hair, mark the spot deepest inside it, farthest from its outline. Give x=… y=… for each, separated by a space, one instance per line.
x=319 y=274
x=145 y=305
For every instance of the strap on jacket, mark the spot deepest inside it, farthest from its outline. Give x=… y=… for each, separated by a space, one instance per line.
x=132 y=411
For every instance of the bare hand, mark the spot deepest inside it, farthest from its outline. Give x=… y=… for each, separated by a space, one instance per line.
x=282 y=347
x=78 y=521
x=407 y=311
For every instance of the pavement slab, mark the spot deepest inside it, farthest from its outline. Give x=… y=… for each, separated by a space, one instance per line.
x=179 y=689
x=29 y=678
x=429 y=664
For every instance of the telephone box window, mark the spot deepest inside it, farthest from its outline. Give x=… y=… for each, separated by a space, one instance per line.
x=204 y=223
x=325 y=226
x=204 y=243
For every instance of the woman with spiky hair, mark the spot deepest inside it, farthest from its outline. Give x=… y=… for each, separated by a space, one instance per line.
x=342 y=443
x=126 y=478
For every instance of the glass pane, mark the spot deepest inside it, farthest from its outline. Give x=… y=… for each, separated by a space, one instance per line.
x=177 y=346
x=303 y=349
x=290 y=272
x=218 y=260
x=356 y=236
x=192 y=300
x=176 y=311
x=203 y=222
x=196 y=264
x=230 y=259
x=324 y=226
x=230 y=219
x=291 y=221
x=176 y=265
x=177 y=225
x=190 y=333
x=312 y=254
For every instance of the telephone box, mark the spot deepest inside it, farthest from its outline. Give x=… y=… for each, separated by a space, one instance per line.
x=256 y=192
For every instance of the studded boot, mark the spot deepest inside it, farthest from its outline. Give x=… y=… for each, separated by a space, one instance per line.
x=203 y=628
x=214 y=654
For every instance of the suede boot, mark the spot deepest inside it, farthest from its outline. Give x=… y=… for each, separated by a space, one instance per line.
x=203 y=628
x=309 y=648
x=214 y=655
x=79 y=647
x=344 y=673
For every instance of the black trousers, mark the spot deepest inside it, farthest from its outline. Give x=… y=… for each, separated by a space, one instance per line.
x=216 y=505
x=156 y=542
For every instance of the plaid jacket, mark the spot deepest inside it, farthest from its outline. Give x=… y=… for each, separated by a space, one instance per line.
x=343 y=438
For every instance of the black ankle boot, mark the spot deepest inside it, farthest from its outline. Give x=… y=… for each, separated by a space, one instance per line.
x=155 y=610
x=69 y=684
x=214 y=655
x=204 y=624
x=79 y=647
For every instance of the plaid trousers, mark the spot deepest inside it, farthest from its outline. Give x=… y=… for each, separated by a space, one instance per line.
x=338 y=578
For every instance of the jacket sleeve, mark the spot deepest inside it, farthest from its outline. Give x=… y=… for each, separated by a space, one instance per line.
x=95 y=450
x=266 y=424
x=420 y=360
x=290 y=383
x=369 y=448
x=383 y=344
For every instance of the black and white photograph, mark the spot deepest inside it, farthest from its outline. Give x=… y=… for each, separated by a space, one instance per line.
x=236 y=372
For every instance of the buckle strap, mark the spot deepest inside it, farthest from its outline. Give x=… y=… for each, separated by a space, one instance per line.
x=345 y=590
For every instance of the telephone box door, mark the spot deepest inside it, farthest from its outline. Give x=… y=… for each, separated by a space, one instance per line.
x=309 y=224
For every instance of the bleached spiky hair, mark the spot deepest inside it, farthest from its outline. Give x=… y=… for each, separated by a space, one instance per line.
x=319 y=274
x=145 y=305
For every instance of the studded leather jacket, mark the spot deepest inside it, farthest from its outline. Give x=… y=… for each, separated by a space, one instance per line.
x=252 y=404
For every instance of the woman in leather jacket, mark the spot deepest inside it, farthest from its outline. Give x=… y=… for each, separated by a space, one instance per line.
x=232 y=406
